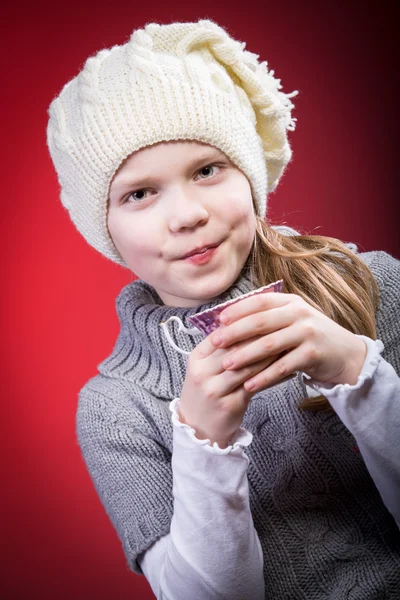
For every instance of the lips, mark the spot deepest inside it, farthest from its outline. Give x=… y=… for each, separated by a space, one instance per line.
x=202 y=258
x=199 y=250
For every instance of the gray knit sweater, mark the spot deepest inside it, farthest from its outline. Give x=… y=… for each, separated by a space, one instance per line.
x=320 y=520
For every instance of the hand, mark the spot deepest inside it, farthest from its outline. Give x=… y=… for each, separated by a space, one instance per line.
x=287 y=325
x=213 y=401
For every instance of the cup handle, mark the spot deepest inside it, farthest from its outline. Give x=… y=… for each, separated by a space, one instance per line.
x=181 y=327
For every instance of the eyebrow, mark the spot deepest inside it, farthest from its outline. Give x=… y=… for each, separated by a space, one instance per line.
x=146 y=179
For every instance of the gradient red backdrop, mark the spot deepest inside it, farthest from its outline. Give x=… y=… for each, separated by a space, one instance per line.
x=58 y=295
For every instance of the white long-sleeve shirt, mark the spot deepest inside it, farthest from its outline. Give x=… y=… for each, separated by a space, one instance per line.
x=212 y=533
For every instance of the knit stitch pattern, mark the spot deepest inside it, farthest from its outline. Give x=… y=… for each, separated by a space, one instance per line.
x=323 y=528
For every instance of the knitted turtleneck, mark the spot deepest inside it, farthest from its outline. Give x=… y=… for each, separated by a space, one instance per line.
x=324 y=530
x=142 y=353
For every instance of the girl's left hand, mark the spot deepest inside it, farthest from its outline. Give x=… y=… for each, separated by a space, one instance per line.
x=286 y=325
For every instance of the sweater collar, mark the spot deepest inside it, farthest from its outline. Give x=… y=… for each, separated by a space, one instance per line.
x=142 y=354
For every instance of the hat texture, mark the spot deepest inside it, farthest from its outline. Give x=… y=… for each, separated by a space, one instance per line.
x=180 y=81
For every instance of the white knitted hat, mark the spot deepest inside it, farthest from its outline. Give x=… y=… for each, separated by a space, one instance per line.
x=182 y=81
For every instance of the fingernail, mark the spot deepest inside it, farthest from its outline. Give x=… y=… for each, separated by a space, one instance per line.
x=224 y=319
x=250 y=385
x=217 y=340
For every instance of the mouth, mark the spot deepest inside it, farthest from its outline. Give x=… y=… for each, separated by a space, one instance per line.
x=203 y=256
x=200 y=250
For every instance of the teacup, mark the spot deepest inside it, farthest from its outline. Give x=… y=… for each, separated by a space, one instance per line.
x=208 y=320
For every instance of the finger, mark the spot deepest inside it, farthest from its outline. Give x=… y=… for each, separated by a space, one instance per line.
x=224 y=383
x=253 y=304
x=283 y=368
x=238 y=400
x=240 y=396
x=261 y=347
x=215 y=366
x=260 y=323
x=205 y=348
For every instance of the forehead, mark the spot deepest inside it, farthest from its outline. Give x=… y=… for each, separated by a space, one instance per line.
x=164 y=153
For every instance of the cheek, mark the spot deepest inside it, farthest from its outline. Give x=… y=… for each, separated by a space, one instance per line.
x=243 y=217
x=128 y=235
x=246 y=227
x=241 y=200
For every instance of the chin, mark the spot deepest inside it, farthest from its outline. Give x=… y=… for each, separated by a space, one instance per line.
x=211 y=292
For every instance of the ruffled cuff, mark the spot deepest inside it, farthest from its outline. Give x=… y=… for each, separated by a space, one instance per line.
x=371 y=362
x=241 y=439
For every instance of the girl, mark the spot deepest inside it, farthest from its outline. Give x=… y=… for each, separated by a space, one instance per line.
x=223 y=476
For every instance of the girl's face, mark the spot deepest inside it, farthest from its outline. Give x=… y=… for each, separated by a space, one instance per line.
x=172 y=198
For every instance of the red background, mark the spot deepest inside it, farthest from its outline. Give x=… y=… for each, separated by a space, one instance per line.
x=58 y=295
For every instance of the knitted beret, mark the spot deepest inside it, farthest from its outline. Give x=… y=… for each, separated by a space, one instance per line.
x=180 y=81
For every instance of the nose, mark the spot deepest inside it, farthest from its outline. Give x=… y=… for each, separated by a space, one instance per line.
x=186 y=211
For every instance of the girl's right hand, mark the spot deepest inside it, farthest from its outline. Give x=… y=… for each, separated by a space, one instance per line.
x=213 y=401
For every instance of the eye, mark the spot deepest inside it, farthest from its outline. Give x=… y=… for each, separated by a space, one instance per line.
x=207 y=168
x=138 y=197
x=135 y=200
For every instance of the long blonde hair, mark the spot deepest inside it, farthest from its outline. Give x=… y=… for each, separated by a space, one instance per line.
x=324 y=272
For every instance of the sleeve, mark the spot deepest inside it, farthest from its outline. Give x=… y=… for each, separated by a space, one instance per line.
x=386 y=270
x=213 y=548
x=129 y=466
x=370 y=409
x=185 y=494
